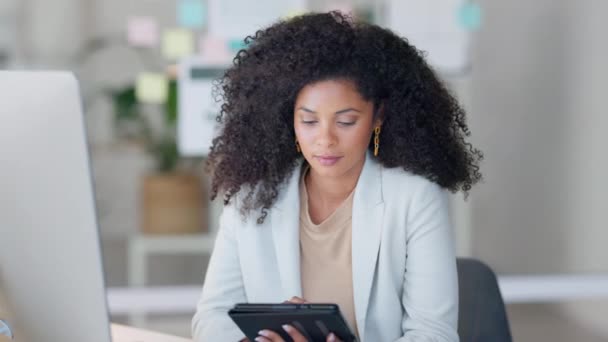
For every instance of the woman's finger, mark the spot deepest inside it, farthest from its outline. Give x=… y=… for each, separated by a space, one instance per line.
x=297 y=300
x=262 y=339
x=268 y=336
x=333 y=338
x=294 y=333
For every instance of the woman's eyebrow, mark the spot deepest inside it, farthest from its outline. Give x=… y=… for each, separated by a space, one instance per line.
x=342 y=111
x=347 y=110
x=306 y=110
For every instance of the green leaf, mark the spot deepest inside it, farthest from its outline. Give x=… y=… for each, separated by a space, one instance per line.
x=125 y=104
x=171 y=104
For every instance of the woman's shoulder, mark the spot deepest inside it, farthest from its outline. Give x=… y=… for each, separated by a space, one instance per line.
x=400 y=183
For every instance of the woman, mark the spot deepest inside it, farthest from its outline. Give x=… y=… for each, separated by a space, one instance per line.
x=336 y=141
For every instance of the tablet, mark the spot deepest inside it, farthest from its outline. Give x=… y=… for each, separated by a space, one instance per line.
x=314 y=321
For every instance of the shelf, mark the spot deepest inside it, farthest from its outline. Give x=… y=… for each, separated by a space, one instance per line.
x=168 y=244
x=515 y=289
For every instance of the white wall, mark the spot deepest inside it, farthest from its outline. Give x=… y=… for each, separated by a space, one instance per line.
x=538 y=112
x=519 y=119
x=52 y=31
x=589 y=121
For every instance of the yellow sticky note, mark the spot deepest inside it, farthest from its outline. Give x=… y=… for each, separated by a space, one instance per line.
x=151 y=88
x=177 y=43
x=294 y=13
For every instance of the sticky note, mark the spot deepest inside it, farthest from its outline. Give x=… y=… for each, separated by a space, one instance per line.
x=177 y=43
x=151 y=88
x=214 y=50
x=142 y=31
x=469 y=16
x=294 y=13
x=191 y=13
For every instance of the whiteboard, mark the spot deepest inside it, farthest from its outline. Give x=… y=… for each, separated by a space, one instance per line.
x=433 y=26
x=430 y=25
x=197 y=109
x=228 y=19
x=236 y=19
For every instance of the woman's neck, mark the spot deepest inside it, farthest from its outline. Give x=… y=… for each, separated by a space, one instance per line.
x=331 y=191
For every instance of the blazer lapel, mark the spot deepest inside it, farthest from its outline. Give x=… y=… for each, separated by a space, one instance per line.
x=368 y=211
x=285 y=222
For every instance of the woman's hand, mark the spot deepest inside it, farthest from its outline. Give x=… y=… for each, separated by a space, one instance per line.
x=271 y=336
x=295 y=300
x=296 y=336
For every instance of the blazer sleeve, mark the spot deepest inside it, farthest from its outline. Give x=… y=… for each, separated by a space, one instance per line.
x=223 y=286
x=430 y=284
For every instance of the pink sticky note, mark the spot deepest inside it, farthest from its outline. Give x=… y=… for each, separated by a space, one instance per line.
x=214 y=50
x=142 y=31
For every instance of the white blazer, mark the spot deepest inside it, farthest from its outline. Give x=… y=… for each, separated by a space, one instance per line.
x=404 y=270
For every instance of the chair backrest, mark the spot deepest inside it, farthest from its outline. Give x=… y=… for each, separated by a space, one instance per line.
x=482 y=313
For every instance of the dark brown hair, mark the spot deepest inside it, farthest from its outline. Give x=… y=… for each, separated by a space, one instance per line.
x=424 y=127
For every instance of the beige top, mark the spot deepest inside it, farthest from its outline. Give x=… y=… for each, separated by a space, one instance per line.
x=326 y=258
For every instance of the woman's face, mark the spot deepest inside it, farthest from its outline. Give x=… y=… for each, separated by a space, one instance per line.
x=333 y=125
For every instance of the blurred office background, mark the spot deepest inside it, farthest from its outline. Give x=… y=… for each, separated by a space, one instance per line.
x=533 y=82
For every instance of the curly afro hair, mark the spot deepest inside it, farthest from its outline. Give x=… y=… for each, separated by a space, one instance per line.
x=423 y=131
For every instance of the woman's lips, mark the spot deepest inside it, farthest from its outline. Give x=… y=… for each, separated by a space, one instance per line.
x=327 y=160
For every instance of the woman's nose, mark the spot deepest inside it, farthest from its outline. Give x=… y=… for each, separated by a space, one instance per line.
x=326 y=136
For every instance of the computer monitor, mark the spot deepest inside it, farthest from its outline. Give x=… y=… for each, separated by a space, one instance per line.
x=51 y=275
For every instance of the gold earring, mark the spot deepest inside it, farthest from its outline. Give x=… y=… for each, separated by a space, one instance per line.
x=298 y=147
x=376 y=140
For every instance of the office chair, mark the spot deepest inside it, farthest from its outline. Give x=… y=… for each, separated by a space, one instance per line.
x=482 y=315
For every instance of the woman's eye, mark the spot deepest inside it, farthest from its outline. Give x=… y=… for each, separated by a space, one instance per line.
x=346 y=123
x=308 y=122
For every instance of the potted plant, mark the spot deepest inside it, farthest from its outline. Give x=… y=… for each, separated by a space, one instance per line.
x=172 y=200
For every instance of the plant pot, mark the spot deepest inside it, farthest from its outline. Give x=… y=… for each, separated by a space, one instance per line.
x=173 y=203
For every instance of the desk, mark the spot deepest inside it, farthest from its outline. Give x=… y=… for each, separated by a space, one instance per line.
x=122 y=333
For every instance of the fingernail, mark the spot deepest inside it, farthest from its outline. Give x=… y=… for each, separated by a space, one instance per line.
x=332 y=337
x=286 y=328
x=258 y=339
x=263 y=333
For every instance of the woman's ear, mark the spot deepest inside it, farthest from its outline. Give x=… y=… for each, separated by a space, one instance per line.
x=379 y=117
